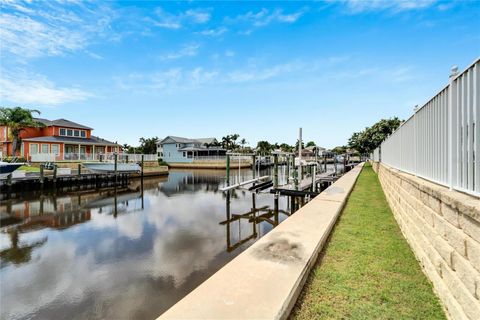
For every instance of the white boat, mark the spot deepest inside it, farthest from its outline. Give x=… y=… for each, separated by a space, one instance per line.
x=109 y=167
x=6 y=168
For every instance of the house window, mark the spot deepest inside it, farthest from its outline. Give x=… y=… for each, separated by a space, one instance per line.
x=56 y=149
x=184 y=154
x=62 y=131
x=33 y=148
x=83 y=134
x=45 y=148
x=76 y=133
x=69 y=132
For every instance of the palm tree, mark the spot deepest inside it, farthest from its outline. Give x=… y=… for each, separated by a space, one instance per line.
x=243 y=142
x=17 y=119
x=226 y=142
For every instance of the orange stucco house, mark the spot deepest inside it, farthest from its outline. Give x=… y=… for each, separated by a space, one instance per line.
x=58 y=140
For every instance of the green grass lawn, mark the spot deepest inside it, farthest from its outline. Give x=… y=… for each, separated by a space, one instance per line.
x=29 y=169
x=368 y=270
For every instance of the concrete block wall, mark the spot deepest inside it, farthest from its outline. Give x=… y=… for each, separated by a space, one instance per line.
x=443 y=230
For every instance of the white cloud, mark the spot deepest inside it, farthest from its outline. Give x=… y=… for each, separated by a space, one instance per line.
x=229 y=53
x=30 y=30
x=198 y=15
x=186 y=51
x=255 y=74
x=164 y=19
x=265 y=17
x=169 y=81
x=360 y=6
x=23 y=88
x=213 y=32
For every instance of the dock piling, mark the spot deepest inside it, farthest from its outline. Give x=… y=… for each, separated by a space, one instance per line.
x=228 y=170
x=115 y=156
x=42 y=176
x=275 y=170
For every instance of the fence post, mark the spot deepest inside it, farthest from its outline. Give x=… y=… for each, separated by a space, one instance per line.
x=415 y=110
x=451 y=126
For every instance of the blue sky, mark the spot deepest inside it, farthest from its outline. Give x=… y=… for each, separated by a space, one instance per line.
x=259 y=69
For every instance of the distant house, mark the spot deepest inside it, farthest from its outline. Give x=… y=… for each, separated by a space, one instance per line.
x=185 y=150
x=58 y=140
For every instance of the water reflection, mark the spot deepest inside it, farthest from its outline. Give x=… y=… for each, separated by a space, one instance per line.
x=255 y=217
x=124 y=253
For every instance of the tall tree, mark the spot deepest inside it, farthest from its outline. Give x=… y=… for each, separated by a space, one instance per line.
x=369 y=139
x=18 y=119
x=297 y=143
x=310 y=144
x=243 y=142
x=286 y=147
x=148 y=145
x=264 y=147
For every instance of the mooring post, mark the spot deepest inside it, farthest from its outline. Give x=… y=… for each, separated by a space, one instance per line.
x=287 y=173
x=115 y=157
x=228 y=170
x=126 y=158
x=275 y=170
x=9 y=183
x=142 y=164
x=254 y=160
x=227 y=212
x=295 y=178
x=325 y=163
x=335 y=163
x=41 y=175
x=313 y=167
x=54 y=174
x=79 y=170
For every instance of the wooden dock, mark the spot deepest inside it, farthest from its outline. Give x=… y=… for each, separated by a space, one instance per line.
x=307 y=187
x=84 y=180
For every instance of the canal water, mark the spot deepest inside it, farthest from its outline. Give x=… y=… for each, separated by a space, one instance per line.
x=127 y=253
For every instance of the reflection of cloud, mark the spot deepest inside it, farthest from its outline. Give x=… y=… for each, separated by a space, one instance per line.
x=130 y=225
x=154 y=258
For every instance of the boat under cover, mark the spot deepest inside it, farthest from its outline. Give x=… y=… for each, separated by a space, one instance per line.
x=6 y=168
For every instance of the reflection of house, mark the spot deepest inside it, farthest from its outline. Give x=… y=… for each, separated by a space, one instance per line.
x=179 y=182
x=58 y=140
x=184 y=150
x=52 y=212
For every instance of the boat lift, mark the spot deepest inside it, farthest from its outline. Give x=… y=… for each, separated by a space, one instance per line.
x=243 y=183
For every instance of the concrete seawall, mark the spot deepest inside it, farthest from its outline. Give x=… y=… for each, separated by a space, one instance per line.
x=443 y=229
x=265 y=280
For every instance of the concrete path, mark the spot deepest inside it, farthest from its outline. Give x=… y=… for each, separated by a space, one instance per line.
x=264 y=281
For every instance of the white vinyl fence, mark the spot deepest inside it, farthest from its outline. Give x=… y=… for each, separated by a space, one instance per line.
x=441 y=141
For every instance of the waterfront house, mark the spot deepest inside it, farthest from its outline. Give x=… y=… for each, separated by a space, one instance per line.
x=186 y=150
x=58 y=140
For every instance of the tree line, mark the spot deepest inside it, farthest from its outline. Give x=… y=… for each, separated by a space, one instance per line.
x=363 y=142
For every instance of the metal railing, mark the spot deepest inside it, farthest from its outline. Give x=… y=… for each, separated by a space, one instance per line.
x=441 y=141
